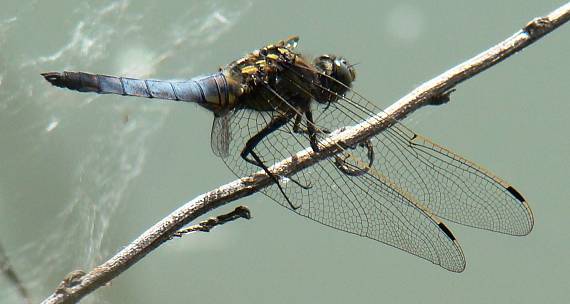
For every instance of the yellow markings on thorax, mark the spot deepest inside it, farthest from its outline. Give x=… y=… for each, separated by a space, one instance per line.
x=249 y=70
x=262 y=62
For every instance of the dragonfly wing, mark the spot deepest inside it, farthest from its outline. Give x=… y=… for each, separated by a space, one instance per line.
x=367 y=205
x=395 y=200
x=220 y=136
x=275 y=147
x=372 y=206
x=453 y=187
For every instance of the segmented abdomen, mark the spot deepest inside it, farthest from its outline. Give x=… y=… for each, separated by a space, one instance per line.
x=212 y=91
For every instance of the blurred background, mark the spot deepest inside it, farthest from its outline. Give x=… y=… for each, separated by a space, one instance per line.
x=82 y=175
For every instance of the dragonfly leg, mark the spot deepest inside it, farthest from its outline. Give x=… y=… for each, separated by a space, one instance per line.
x=275 y=179
x=358 y=168
x=311 y=130
x=340 y=162
x=295 y=128
x=276 y=123
x=248 y=150
x=441 y=98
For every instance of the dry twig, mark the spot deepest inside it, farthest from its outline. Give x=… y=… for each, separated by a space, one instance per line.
x=207 y=225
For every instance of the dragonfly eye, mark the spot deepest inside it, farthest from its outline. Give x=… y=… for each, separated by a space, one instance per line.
x=343 y=71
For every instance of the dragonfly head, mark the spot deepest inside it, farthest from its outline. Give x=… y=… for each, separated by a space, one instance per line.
x=341 y=72
x=337 y=68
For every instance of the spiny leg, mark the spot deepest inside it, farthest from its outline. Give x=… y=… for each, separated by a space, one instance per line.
x=250 y=145
x=340 y=163
x=311 y=130
x=295 y=111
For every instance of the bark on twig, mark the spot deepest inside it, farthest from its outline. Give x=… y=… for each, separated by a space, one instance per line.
x=207 y=225
x=164 y=230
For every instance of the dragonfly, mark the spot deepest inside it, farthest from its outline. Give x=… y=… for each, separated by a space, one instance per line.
x=396 y=187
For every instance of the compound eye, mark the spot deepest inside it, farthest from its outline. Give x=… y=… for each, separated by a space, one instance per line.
x=340 y=62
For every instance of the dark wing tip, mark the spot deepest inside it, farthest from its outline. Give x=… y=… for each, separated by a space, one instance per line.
x=55 y=78
x=446 y=231
x=516 y=194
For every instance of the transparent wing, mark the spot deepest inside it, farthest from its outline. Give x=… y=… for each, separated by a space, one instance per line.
x=395 y=201
x=453 y=187
x=386 y=213
x=368 y=205
x=457 y=189
x=220 y=136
